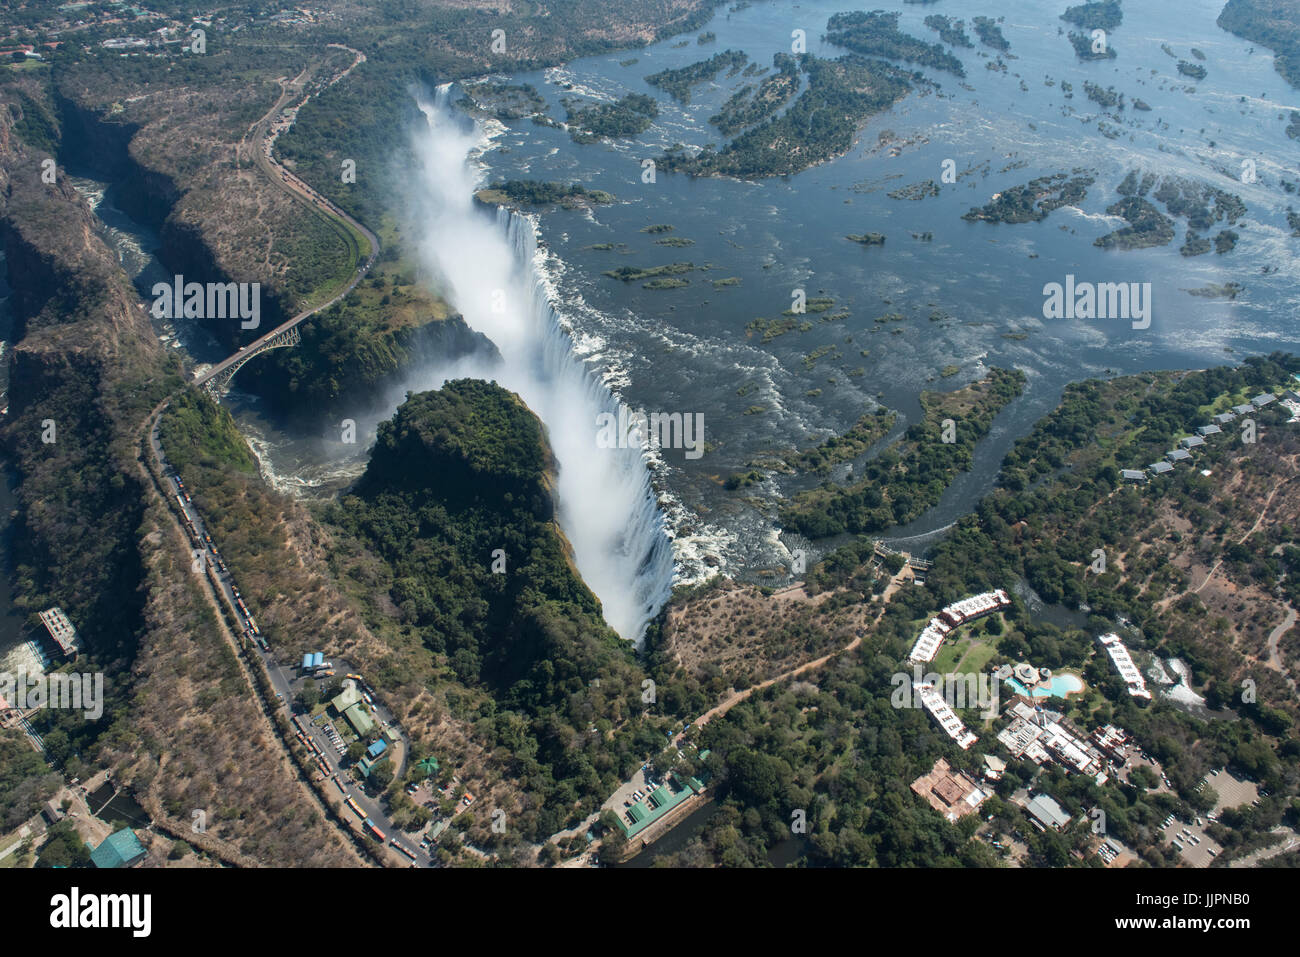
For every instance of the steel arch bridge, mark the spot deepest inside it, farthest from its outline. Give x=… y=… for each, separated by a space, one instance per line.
x=217 y=380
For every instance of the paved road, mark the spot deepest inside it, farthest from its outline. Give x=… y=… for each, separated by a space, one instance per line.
x=278 y=174
x=1274 y=655
x=285 y=679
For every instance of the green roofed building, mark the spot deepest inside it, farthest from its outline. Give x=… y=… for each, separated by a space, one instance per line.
x=648 y=810
x=118 y=850
x=360 y=720
x=429 y=766
x=346 y=698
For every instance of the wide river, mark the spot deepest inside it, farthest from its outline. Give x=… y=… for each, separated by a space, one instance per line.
x=688 y=350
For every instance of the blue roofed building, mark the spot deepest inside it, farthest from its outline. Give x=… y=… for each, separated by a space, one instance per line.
x=376 y=749
x=118 y=850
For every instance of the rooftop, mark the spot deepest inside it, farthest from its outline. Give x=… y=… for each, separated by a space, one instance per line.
x=118 y=850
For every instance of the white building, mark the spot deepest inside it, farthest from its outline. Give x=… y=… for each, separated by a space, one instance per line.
x=1123 y=662
x=943 y=715
x=958 y=613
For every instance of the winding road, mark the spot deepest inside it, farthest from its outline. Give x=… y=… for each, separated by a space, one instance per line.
x=262 y=142
x=150 y=443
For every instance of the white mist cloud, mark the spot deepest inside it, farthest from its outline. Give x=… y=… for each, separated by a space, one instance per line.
x=607 y=508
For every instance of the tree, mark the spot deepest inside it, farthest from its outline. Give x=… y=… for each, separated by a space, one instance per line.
x=63 y=848
x=309 y=696
x=381 y=776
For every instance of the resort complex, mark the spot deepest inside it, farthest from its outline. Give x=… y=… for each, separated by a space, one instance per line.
x=955 y=615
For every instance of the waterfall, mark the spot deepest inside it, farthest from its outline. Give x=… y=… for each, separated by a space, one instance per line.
x=491 y=272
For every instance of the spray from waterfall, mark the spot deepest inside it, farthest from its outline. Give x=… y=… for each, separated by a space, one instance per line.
x=488 y=267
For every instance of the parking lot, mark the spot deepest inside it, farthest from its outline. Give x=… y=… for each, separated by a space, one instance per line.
x=1232 y=792
x=1195 y=847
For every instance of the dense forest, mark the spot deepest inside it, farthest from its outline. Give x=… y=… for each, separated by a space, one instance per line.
x=750 y=104
x=877 y=34
x=677 y=83
x=472 y=563
x=1104 y=15
x=903 y=481
x=1271 y=23
x=628 y=116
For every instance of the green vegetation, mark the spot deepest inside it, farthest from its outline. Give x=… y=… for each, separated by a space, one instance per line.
x=990 y=34
x=789 y=745
x=1083 y=48
x=1194 y=70
x=634 y=274
x=772 y=328
x=1270 y=24
x=203 y=433
x=26 y=782
x=864 y=433
x=1227 y=290
x=750 y=104
x=1106 y=99
x=456 y=475
x=841 y=94
x=671 y=283
x=351 y=348
x=1104 y=15
x=505 y=101
x=877 y=34
x=1147 y=226
x=867 y=239
x=530 y=192
x=676 y=241
x=916 y=191
x=1200 y=204
x=951 y=30
x=677 y=83
x=629 y=116
x=1035 y=199
x=63 y=847
x=1194 y=244
x=1225 y=241
x=902 y=482
x=740 y=480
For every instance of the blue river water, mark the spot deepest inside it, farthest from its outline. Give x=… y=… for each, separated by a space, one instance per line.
x=688 y=350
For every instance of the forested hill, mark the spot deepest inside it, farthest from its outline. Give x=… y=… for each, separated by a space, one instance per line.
x=467 y=444
x=456 y=503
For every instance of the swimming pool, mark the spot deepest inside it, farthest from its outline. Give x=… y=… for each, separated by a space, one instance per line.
x=1057 y=687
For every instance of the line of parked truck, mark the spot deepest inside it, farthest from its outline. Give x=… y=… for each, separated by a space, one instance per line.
x=216 y=567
